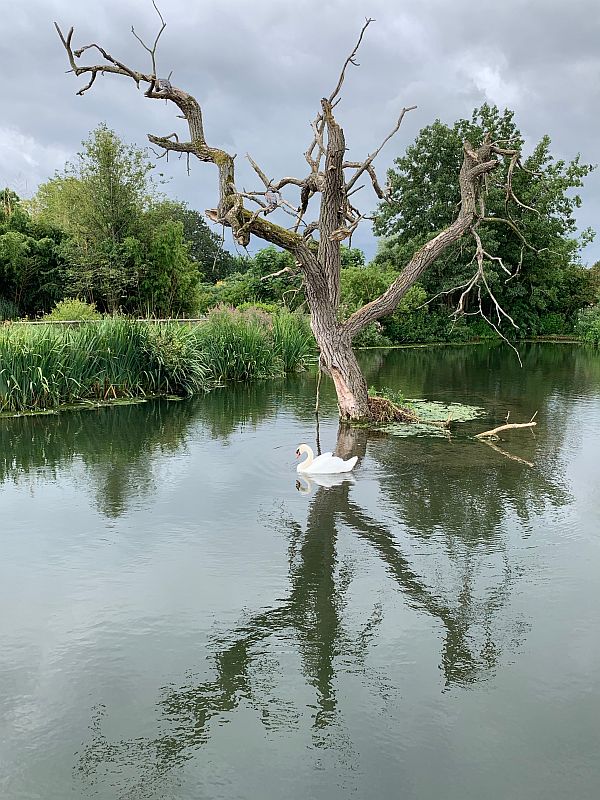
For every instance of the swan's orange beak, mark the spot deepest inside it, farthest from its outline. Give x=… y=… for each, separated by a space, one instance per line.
x=297 y=453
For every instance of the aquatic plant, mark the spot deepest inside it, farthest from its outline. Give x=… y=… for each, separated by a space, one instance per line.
x=293 y=340
x=46 y=366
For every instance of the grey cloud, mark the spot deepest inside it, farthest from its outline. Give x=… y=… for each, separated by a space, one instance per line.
x=260 y=68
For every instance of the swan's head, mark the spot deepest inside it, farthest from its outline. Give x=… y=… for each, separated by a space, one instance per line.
x=303 y=448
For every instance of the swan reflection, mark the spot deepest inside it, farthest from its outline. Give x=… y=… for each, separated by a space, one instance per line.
x=306 y=484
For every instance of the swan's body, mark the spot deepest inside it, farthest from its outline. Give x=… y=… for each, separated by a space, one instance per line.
x=325 y=464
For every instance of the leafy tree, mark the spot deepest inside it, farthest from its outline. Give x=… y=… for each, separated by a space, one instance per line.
x=31 y=268
x=257 y=281
x=98 y=201
x=595 y=280
x=352 y=257
x=541 y=247
x=169 y=277
x=213 y=262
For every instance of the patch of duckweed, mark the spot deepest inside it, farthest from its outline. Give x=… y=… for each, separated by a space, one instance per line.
x=430 y=412
x=433 y=410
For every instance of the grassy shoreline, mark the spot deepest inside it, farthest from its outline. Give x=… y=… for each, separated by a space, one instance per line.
x=45 y=368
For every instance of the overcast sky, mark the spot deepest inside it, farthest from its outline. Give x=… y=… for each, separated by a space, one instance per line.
x=259 y=69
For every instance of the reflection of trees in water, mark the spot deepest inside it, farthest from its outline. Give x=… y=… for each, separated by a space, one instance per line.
x=117 y=446
x=489 y=373
x=470 y=616
x=451 y=499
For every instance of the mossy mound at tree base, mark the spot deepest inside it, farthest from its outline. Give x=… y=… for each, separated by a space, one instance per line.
x=423 y=418
x=383 y=410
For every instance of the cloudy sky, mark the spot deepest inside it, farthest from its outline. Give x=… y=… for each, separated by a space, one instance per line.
x=259 y=69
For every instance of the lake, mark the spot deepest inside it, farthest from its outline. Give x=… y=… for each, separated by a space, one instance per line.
x=182 y=618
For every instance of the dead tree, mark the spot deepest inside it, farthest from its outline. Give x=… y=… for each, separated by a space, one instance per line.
x=315 y=246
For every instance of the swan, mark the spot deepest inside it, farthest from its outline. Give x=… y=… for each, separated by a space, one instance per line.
x=325 y=464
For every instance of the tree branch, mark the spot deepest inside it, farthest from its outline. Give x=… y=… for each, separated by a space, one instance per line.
x=349 y=60
x=369 y=160
x=470 y=188
x=152 y=50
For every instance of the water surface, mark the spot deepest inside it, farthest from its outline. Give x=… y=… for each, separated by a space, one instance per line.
x=181 y=619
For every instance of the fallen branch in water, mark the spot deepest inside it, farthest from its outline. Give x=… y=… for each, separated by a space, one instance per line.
x=507 y=426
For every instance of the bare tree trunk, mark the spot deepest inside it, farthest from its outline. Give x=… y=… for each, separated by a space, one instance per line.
x=340 y=362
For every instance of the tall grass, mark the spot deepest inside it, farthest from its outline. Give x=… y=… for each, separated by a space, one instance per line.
x=43 y=367
x=250 y=344
x=292 y=339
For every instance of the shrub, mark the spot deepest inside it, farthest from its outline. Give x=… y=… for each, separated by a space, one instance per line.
x=45 y=366
x=237 y=346
x=553 y=323
x=72 y=309
x=588 y=325
x=372 y=336
x=175 y=362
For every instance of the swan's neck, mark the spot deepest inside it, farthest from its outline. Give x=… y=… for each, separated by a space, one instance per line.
x=310 y=457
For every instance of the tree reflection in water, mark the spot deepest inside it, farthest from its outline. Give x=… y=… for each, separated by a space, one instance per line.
x=455 y=515
x=474 y=632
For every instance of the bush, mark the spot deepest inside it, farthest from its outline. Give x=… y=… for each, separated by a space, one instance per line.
x=237 y=345
x=588 y=325
x=72 y=309
x=175 y=363
x=553 y=323
x=372 y=336
x=45 y=366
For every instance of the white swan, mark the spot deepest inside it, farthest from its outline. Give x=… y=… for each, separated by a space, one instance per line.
x=325 y=464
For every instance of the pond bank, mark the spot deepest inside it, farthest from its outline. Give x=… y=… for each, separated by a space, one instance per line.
x=44 y=368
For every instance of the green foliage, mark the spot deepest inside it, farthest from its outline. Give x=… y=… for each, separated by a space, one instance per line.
x=242 y=345
x=424 y=198
x=205 y=248
x=588 y=325
x=169 y=282
x=248 y=284
x=72 y=308
x=124 y=246
x=410 y=322
x=594 y=279
x=8 y=310
x=237 y=346
x=31 y=269
x=292 y=339
x=352 y=257
x=98 y=201
x=46 y=366
x=394 y=396
x=175 y=362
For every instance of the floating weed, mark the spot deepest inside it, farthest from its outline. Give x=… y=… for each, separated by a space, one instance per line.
x=434 y=410
x=430 y=412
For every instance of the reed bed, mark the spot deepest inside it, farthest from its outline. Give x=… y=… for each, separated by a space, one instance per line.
x=44 y=367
